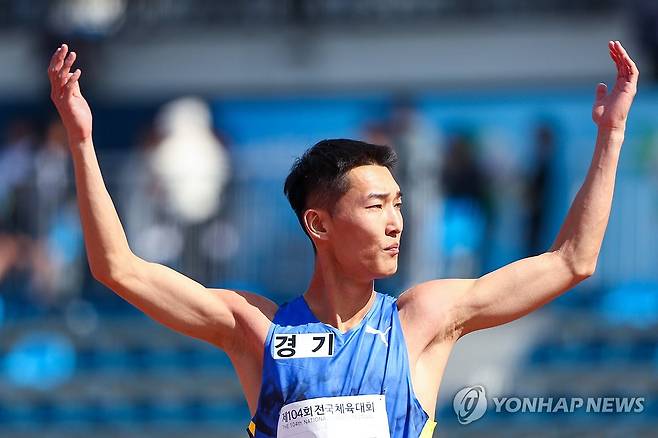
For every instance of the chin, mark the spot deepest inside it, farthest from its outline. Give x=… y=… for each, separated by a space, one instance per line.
x=383 y=273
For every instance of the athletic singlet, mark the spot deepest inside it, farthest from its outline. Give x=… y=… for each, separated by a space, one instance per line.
x=320 y=383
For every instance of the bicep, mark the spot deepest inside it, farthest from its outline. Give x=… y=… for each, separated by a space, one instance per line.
x=451 y=308
x=181 y=303
x=513 y=291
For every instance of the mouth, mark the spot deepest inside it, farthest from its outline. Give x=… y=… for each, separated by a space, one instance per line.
x=393 y=249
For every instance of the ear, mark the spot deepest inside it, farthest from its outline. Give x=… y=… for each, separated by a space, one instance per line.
x=316 y=224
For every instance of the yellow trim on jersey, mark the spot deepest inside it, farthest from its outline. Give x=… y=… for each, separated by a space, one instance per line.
x=428 y=429
x=252 y=429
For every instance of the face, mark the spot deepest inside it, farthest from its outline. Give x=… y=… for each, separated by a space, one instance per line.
x=363 y=233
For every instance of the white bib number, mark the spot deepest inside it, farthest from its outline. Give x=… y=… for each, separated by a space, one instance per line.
x=356 y=416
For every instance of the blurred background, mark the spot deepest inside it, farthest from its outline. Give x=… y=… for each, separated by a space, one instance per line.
x=200 y=108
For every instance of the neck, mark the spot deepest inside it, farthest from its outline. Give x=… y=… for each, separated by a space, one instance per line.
x=336 y=298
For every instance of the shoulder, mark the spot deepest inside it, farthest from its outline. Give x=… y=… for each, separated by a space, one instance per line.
x=248 y=302
x=266 y=306
x=252 y=316
x=428 y=295
x=430 y=310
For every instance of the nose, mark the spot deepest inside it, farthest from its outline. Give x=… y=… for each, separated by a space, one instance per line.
x=394 y=222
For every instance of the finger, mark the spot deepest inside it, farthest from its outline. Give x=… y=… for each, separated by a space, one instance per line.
x=623 y=65
x=612 y=48
x=601 y=91
x=627 y=62
x=53 y=61
x=627 y=59
x=622 y=70
x=55 y=65
x=620 y=49
x=58 y=59
x=613 y=52
x=72 y=83
x=66 y=68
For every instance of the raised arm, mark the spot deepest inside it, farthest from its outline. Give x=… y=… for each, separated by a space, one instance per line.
x=457 y=307
x=214 y=315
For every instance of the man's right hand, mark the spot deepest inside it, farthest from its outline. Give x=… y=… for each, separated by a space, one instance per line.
x=65 y=94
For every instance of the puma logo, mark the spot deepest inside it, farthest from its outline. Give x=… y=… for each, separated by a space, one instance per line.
x=382 y=334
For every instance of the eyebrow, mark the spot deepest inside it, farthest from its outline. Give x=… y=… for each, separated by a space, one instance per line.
x=383 y=196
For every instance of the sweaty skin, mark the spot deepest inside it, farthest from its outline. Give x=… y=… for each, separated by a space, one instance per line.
x=356 y=244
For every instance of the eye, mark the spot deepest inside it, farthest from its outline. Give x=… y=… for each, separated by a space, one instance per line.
x=398 y=205
x=375 y=206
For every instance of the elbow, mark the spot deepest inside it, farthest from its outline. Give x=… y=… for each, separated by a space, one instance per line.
x=583 y=269
x=580 y=267
x=110 y=272
x=99 y=270
x=103 y=276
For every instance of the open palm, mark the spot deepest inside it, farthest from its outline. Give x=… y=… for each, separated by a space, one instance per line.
x=65 y=94
x=610 y=110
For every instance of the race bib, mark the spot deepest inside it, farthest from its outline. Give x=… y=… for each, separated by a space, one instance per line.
x=301 y=345
x=356 y=416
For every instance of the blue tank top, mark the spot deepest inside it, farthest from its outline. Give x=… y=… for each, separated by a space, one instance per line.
x=305 y=359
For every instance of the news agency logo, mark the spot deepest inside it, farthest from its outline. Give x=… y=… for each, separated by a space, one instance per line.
x=470 y=404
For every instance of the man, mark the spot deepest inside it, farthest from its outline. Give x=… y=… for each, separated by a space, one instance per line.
x=348 y=361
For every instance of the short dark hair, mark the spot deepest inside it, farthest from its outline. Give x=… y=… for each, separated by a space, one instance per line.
x=318 y=176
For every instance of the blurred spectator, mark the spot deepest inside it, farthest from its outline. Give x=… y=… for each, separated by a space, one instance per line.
x=466 y=208
x=16 y=168
x=418 y=144
x=85 y=26
x=539 y=183
x=52 y=176
x=378 y=133
x=84 y=18
x=143 y=204
x=57 y=250
x=9 y=253
x=192 y=168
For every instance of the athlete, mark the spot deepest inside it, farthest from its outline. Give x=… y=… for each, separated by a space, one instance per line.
x=342 y=359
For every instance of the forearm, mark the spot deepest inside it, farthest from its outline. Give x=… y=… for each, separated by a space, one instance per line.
x=105 y=240
x=580 y=238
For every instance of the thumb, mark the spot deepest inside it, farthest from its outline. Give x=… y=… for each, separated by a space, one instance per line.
x=601 y=90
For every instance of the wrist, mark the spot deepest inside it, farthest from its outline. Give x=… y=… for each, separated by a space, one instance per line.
x=79 y=141
x=613 y=130
x=613 y=134
x=610 y=141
